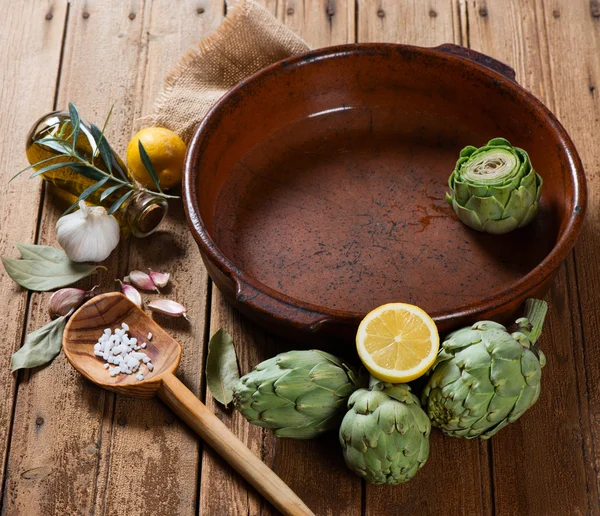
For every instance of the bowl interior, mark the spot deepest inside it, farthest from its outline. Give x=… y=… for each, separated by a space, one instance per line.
x=325 y=181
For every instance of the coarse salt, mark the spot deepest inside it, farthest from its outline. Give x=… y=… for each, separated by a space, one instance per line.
x=122 y=351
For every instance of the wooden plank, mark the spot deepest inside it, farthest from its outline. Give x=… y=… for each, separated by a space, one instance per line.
x=220 y=486
x=553 y=46
x=575 y=31
x=147 y=441
x=309 y=467
x=426 y=24
x=509 y=32
x=320 y=22
x=62 y=423
x=29 y=64
x=457 y=468
x=312 y=467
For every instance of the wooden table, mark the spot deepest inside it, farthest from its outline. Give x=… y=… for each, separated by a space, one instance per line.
x=69 y=448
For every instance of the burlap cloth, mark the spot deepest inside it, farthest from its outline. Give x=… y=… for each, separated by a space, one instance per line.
x=248 y=39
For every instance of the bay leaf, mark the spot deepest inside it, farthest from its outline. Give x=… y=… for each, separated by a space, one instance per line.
x=42 y=252
x=44 y=268
x=222 y=371
x=40 y=346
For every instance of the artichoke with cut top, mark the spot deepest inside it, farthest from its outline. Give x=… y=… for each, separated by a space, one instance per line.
x=385 y=433
x=298 y=394
x=494 y=189
x=485 y=377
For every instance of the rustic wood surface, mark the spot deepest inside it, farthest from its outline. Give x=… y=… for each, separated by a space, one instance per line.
x=68 y=447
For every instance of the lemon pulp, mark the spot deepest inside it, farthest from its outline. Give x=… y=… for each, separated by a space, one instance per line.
x=397 y=342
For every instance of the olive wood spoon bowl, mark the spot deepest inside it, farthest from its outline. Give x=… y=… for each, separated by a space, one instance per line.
x=109 y=311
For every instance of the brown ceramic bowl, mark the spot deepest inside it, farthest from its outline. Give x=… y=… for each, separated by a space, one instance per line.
x=315 y=189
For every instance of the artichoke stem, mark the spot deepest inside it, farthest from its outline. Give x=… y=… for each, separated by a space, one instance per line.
x=535 y=312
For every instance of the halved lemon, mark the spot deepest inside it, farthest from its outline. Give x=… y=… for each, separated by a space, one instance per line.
x=397 y=342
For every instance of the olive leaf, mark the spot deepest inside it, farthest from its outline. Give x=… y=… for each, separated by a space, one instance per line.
x=103 y=147
x=85 y=170
x=148 y=165
x=109 y=191
x=30 y=166
x=75 y=125
x=86 y=193
x=48 y=168
x=119 y=202
x=61 y=146
x=40 y=346
x=222 y=371
x=44 y=268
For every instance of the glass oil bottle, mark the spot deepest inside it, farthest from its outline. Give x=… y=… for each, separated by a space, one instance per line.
x=140 y=214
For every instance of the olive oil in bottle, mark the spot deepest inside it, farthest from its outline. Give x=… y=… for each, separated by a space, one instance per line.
x=140 y=212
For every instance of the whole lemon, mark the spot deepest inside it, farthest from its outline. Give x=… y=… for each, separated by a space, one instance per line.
x=165 y=149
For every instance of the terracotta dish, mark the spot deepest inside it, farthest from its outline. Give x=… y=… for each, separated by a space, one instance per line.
x=315 y=189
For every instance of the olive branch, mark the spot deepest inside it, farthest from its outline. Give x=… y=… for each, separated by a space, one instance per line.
x=66 y=146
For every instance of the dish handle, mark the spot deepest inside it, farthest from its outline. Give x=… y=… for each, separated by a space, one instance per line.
x=479 y=58
x=288 y=314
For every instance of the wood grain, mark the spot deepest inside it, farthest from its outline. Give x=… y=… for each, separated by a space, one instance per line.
x=230 y=448
x=33 y=31
x=574 y=31
x=319 y=22
x=426 y=24
x=457 y=468
x=110 y=310
x=62 y=422
x=167 y=449
x=71 y=444
x=312 y=467
x=220 y=487
x=309 y=467
x=548 y=44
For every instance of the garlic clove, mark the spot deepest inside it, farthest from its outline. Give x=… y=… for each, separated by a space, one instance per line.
x=140 y=280
x=160 y=279
x=131 y=293
x=64 y=301
x=167 y=307
x=89 y=234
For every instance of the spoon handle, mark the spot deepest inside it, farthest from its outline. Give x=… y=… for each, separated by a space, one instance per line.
x=225 y=443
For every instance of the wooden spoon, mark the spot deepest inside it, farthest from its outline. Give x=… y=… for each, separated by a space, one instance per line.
x=109 y=311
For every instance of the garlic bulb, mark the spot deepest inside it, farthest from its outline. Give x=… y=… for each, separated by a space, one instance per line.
x=88 y=235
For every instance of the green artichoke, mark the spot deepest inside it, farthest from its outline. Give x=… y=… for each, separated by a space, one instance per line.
x=298 y=394
x=494 y=189
x=485 y=377
x=385 y=434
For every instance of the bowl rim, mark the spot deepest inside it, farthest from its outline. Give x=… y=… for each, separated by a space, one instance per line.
x=518 y=290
